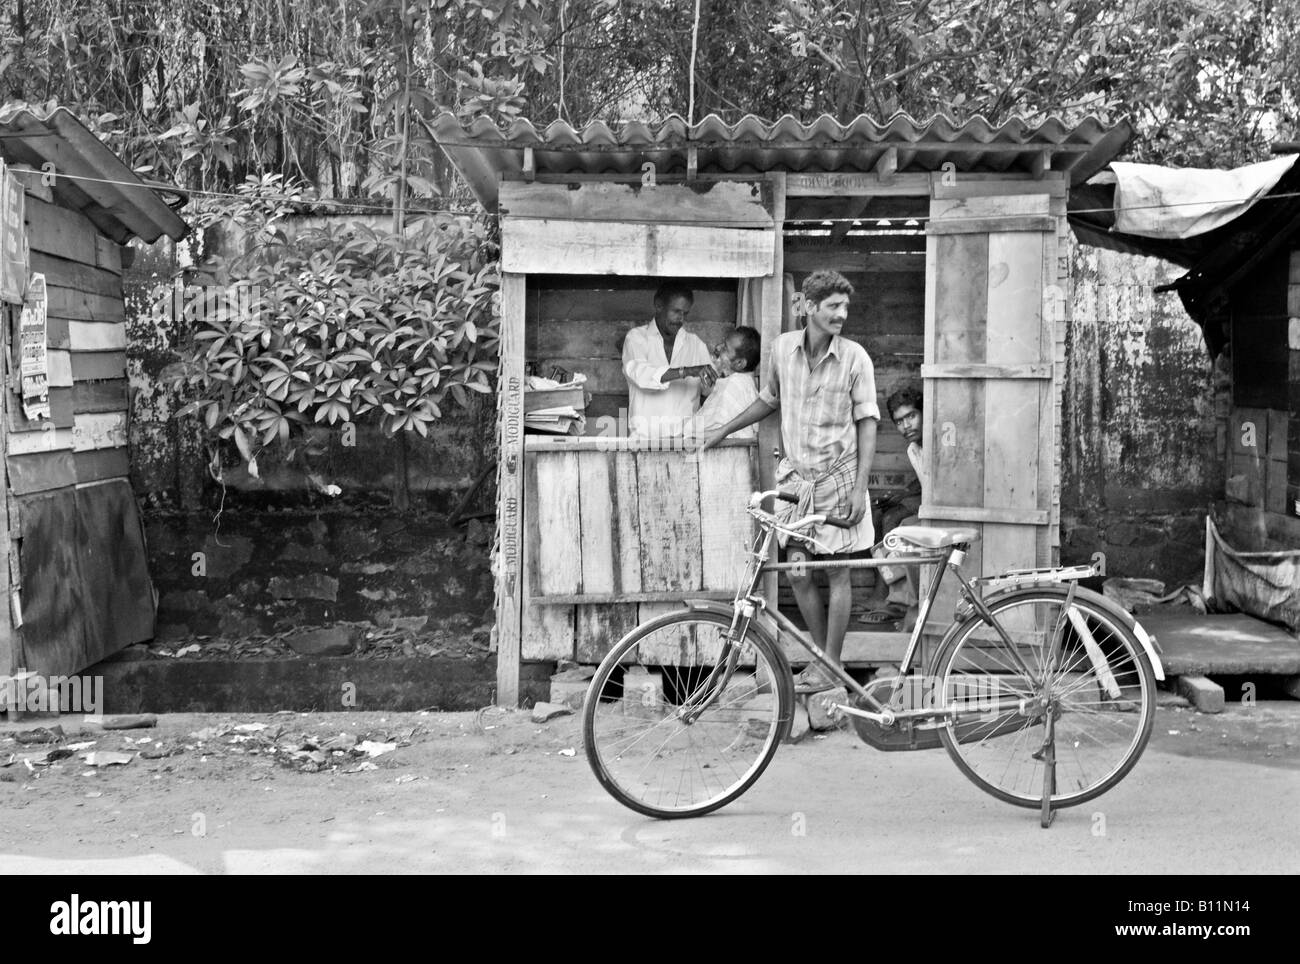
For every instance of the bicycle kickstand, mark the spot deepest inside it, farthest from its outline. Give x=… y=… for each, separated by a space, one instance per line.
x=1047 y=753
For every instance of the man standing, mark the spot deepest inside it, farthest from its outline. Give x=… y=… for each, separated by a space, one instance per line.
x=666 y=366
x=825 y=387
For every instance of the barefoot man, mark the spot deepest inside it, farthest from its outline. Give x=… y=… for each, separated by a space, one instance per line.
x=825 y=387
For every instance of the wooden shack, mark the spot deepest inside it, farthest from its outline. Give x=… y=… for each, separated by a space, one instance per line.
x=1242 y=286
x=76 y=578
x=951 y=234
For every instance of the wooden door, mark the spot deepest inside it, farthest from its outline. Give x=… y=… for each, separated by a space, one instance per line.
x=994 y=329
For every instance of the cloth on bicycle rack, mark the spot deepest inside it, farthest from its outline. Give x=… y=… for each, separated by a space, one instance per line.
x=829 y=492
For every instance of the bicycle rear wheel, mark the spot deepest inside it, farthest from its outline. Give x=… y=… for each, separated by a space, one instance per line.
x=679 y=721
x=1083 y=667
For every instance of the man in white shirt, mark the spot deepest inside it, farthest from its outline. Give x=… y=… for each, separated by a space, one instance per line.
x=666 y=366
x=735 y=359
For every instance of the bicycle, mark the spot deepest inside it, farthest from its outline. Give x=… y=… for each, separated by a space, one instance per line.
x=1041 y=691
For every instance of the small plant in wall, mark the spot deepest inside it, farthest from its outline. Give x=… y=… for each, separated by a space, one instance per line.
x=343 y=323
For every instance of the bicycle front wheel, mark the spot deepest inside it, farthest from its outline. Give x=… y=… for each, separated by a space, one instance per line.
x=679 y=720
x=1080 y=668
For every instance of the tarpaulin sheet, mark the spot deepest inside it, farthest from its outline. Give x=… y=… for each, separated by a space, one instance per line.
x=1263 y=584
x=1168 y=202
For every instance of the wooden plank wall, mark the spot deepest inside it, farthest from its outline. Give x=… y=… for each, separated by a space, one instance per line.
x=578 y=323
x=85 y=440
x=67 y=476
x=613 y=537
x=1257 y=467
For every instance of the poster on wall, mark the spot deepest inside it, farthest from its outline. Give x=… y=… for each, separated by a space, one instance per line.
x=35 y=361
x=13 y=238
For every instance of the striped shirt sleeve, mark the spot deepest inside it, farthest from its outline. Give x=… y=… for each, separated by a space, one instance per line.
x=862 y=386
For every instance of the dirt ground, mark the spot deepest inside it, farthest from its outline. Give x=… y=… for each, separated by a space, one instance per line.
x=494 y=792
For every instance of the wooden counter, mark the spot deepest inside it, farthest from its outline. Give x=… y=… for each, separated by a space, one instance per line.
x=616 y=532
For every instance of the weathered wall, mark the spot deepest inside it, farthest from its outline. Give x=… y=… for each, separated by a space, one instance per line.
x=1142 y=422
x=283 y=554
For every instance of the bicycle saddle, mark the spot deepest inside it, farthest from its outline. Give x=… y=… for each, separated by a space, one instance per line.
x=925 y=537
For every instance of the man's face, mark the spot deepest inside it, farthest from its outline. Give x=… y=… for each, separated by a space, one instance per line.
x=726 y=355
x=908 y=420
x=829 y=315
x=670 y=315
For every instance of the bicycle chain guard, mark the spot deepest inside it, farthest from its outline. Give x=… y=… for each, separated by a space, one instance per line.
x=904 y=734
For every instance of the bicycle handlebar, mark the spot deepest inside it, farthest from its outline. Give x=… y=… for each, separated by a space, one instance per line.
x=816 y=518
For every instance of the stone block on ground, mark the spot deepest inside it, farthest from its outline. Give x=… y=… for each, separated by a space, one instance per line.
x=821 y=712
x=545 y=712
x=569 y=692
x=335 y=641
x=799 y=724
x=1204 y=694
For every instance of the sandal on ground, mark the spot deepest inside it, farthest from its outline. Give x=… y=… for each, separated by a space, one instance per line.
x=814 y=679
x=888 y=614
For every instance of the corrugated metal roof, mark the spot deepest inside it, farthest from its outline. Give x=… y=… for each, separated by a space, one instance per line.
x=97 y=182
x=482 y=153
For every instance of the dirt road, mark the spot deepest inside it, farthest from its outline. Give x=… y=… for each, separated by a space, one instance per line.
x=494 y=792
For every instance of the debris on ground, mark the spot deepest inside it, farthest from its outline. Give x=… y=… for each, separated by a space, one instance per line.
x=399 y=636
x=545 y=712
x=105 y=758
x=42 y=734
x=137 y=721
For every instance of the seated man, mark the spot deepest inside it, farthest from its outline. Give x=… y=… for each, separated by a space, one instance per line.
x=735 y=358
x=889 y=605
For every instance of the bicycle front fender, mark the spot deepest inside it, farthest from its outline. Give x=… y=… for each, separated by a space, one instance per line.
x=761 y=623
x=762 y=626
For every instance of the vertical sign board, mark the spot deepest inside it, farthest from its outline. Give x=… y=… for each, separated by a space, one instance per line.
x=35 y=363
x=13 y=238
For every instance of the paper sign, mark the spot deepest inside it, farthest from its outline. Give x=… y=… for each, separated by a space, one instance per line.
x=35 y=362
x=13 y=238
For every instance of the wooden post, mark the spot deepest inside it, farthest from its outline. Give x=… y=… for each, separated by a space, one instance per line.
x=769 y=432
x=510 y=490
x=8 y=636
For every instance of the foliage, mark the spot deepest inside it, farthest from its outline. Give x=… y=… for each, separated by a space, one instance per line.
x=342 y=323
x=207 y=93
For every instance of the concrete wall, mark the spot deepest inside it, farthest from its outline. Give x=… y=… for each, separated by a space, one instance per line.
x=1143 y=422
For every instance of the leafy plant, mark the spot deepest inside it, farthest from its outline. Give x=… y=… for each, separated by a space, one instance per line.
x=345 y=323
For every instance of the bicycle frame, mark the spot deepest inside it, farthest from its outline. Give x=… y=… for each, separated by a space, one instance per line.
x=747 y=603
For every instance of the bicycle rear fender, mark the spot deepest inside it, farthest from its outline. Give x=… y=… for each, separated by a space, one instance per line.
x=1149 y=642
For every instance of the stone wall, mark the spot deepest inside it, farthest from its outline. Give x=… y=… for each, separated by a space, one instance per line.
x=264 y=570
x=1142 y=422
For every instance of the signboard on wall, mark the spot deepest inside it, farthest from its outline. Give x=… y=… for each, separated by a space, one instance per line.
x=35 y=361
x=13 y=238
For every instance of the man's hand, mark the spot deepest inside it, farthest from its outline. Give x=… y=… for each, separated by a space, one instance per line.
x=710 y=441
x=857 y=506
x=705 y=374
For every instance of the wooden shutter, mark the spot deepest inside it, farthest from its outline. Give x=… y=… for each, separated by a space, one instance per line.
x=994 y=296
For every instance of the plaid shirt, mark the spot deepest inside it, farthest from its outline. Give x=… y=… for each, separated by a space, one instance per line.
x=821 y=405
